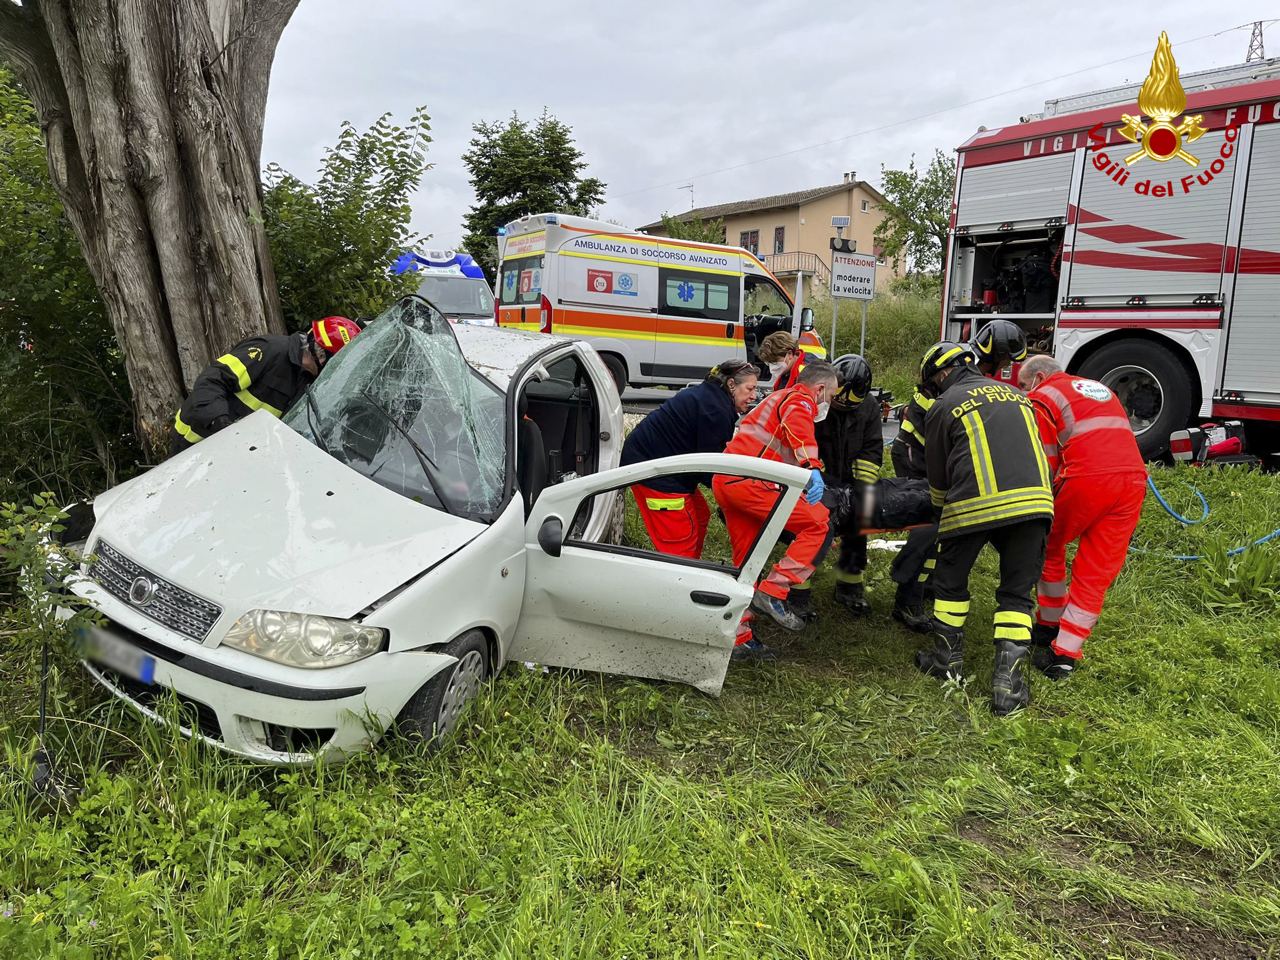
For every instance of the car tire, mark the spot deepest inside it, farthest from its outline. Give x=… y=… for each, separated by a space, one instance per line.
x=433 y=713
x=1153 y=386
x=617 y=370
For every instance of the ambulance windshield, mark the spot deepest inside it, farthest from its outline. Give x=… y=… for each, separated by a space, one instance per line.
x=402 y=407
x=457 y=296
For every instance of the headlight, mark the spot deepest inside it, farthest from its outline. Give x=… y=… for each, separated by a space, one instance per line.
x=303 y=640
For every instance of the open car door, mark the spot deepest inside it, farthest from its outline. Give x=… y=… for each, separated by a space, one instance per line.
x=616 y=609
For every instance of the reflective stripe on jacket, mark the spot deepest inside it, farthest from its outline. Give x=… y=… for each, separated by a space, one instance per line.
x=1084 y=429
x=910 y=436
x=986 y=466
x=261 y=373
x=780 y=428
x=851 y=442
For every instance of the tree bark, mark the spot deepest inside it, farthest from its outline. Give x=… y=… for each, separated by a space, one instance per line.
x=152 y=113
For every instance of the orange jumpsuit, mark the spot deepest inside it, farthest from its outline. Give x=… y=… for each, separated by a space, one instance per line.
x=1099 y=481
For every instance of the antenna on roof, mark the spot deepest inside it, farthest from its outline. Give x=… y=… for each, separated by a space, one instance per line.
x=1256 y=51
x=688 y=186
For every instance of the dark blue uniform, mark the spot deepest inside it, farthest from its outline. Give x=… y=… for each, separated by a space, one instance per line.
x=698 y=419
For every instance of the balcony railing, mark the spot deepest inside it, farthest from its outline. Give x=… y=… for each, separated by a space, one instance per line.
x=797 y=261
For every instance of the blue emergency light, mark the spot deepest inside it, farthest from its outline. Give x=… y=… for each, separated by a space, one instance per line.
x=438 y=261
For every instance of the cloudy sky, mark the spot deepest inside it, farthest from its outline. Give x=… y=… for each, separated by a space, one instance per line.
x=742 y=98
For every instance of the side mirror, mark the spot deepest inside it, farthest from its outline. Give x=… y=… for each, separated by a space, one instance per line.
x=551 y=536
x=806 y=318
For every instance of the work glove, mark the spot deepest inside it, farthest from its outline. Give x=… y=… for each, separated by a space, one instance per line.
x=220 y=423
x=815 y=488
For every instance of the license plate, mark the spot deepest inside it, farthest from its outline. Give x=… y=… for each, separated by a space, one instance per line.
x=101 y=647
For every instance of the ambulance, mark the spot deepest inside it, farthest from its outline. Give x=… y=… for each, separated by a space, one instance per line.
x=658 y=311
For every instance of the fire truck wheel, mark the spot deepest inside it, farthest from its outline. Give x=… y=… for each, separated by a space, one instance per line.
x=617 y=370
x=1151 y=383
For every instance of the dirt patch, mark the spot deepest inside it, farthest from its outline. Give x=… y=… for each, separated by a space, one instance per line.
x=1106 y=924
x=983 y=832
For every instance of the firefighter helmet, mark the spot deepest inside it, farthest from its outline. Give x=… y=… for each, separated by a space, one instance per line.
x=943 y=356
x=855 y=376
x=333 y=333
x=998 y=343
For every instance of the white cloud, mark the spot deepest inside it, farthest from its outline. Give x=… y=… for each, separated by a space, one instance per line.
x=660 y=92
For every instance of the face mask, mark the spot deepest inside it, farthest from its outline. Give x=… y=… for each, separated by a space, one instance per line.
x=823 y=407
x=777 y=369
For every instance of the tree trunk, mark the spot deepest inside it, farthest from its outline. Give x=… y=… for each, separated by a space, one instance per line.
x=152 y=112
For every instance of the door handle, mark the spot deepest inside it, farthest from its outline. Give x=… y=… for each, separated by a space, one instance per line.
x=728 y=330
x=708 y=599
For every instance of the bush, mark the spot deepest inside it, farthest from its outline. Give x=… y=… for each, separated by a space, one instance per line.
x=900 y=327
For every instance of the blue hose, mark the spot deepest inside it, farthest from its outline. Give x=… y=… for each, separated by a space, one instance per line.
x=1233 y=552
x=1204 y=505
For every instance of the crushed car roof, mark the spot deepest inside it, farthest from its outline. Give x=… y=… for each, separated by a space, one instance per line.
x=498 y=353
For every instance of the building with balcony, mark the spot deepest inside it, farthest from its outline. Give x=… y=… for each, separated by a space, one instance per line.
x=791 y=232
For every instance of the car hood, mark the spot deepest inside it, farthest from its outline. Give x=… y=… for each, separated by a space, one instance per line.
x=257 y=517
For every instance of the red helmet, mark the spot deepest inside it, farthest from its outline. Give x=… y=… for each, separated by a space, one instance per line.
x=333 y=333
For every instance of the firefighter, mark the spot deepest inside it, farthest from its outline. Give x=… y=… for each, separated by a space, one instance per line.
x=1099 y=481
x=995 y=346
x=261 y=373
x=779 y=428
x=698 y=419
x=784 y=357
x=989 y=481
x=851 y=447
x=998 y=344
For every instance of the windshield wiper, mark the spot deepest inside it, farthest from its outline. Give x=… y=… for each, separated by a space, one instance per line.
x=424 y=461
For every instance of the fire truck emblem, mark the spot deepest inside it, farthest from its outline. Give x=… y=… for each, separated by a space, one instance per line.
x=1162 y=98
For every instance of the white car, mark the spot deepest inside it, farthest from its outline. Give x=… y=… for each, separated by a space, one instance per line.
x=434 y=508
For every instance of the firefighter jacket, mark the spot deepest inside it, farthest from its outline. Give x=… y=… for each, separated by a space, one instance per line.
x=851 y=442
x=908 y=452
x=780 y=428
x=261 y=373
x=698 y=419
x=1084 y=429
x=986 y=466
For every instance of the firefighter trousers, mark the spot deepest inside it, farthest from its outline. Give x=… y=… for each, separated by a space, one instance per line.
x=1021 y=548
x=676 y=522
x=1102 y=513
x=915 y=561
x=747 y=504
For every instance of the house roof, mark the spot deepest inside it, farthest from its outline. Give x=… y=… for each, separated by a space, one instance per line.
x=795 y=199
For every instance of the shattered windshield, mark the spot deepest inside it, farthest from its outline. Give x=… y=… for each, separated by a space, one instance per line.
x=458 y=296
x=402 y=407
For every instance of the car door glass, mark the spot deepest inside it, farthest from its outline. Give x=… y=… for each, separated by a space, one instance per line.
x=402 y=407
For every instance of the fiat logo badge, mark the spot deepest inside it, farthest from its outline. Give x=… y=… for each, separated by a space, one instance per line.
x=142 y=591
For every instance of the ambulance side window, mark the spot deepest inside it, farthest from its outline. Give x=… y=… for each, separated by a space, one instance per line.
x=703 y=296
x=521 y=280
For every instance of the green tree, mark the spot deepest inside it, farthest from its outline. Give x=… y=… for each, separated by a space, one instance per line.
x=518 y=168
x=64 y=397
x=333 y=243
x=693 y=228
x=917 y=210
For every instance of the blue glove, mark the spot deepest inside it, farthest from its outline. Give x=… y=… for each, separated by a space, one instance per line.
x=815 y=488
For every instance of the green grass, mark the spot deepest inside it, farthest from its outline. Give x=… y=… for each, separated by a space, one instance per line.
x=836 y=804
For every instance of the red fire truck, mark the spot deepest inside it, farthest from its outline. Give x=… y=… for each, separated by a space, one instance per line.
x=1158 y=277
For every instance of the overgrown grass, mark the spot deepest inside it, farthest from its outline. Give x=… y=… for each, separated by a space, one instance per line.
x=836 y=804
x=900 y=327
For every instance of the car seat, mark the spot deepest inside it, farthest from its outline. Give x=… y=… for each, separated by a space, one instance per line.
x=531 y=457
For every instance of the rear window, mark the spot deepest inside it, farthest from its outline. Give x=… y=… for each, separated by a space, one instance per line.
x=521 y=280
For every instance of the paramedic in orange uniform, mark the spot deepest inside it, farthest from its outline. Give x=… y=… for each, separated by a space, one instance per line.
x=782 y=352
x=1099 y=481
x=781 y=429
x=698 y=419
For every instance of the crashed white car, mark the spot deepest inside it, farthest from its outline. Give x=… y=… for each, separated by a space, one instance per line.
x=432 y=509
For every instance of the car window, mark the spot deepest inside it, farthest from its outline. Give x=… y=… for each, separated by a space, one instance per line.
x=764 y=299
x=521 y=280
x=458 y=296
x=401 y=406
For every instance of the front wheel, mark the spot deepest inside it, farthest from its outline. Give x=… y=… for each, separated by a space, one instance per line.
x=617 y=370
x=1152 y=385
x=434 y=712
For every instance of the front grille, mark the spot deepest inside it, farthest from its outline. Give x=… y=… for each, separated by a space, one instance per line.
x=169 y=605
x=192 y=714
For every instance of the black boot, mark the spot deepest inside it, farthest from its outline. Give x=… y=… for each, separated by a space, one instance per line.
x=1053 y=665
x=801 y=604
x=908 y=608
x=851 y=595
x=1009 y=689
x=945 y=659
